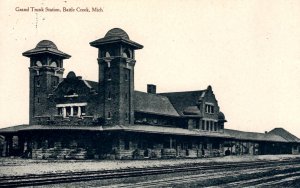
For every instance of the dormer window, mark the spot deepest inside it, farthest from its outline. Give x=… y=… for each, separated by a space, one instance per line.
x=71 y=109
x=75 y=110
x=68 y=111
x=209 y=108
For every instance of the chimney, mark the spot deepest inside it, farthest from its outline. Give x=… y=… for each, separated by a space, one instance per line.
x=151 y=88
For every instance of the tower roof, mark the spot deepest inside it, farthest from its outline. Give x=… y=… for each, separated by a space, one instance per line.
x=46 y=46
x=115 y=35
x=117 y=32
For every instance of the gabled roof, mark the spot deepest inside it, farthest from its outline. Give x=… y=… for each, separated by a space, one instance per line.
x=183 y=101
x=253 y=136
x=153 y=104
x=93 y=84
x=77 y=84
x=284 y=134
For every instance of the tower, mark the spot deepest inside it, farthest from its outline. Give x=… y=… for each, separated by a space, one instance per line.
x=116 y=60
x=45 y=72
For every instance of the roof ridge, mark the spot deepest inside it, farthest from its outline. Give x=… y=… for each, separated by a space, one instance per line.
x=244 y=131
x=183 y=91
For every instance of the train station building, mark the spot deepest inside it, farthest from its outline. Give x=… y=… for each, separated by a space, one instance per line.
x=74 y=118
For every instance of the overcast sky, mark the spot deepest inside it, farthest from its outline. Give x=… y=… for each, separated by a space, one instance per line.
x=248 y=51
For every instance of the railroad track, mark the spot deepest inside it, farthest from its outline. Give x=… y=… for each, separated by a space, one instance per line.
x=57 y=178
x=222 y=178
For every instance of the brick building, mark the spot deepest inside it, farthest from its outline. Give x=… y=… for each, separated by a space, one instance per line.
x=76 y=118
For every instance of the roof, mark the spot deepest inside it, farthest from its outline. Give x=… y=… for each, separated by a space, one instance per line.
x=46 y=46
x=117 y=32
x=115 y=35
x=173 y=131
x=183 y=101
x=13 y=128
x=93 y=84
x=284 y=134
x=228 y=133
x=132 y=128
x=27 y=127
x=253 y=136
x=153 y=104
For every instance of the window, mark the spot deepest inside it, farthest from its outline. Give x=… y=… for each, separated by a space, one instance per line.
x=107 y=54
x=209 y=108
x=197 y=124
x=109 y=95
x=15 y=142
x=108 y=74
x=126 y=96
x=68 y=111
x=37 y=80
x=39 y=63
x=206 y=108
x=126 y=77
x=38 y=100
x=126 y=144
x=53 y=64
x=215 y=126
x=207 y=125
x=82 y=110
x=203 y=125
x=75 y=110
x=108 y=115
x=60 y=111
x=126 y=53
x=126 y=115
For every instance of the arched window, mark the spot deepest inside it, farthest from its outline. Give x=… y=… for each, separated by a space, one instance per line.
x=126 y=53
x=107 y=54
x=39 y=63
x=53 y=64
x=108 y=73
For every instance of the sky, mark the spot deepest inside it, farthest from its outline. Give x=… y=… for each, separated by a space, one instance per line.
x=248 y=51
